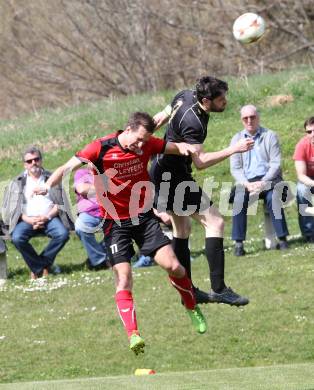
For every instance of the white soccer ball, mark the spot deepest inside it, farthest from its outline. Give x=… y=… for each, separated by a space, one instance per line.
x=248 y=28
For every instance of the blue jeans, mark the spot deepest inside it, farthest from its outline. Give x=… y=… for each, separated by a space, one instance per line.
x=273 y=205
x=85 y=227
x=306 y=223
x=22 y=234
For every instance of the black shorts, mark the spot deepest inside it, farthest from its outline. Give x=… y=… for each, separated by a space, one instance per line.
x=178 y=193
x=147 y=234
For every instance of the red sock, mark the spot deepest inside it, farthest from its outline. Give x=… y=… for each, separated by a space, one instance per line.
x=126 y=310
x=184 y=286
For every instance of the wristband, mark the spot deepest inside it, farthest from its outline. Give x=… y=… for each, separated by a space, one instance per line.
x=167 y=110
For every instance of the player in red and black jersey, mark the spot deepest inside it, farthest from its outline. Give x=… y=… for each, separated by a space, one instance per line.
x=188 y=117
x=124 y=194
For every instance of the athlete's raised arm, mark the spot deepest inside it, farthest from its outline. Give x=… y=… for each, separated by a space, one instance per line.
x=162 y=117
x=180 y=148
x=203 y=160
x=57 y=175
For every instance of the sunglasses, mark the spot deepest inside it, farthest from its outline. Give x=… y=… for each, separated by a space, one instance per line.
x=246 y=118
x=35 y=159
x=309 y=131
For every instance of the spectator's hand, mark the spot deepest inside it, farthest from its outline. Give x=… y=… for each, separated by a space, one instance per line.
x=36 y=222
x=260 y=185
x=43 y=219
x=37 y=226
x=250 y=187
x=256 y=187
x=30 y=220
x=243 y=145
x=40 y=222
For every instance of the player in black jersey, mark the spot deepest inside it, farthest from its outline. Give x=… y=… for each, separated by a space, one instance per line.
x=178 y=193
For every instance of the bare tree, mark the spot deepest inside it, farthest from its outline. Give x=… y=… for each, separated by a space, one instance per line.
x=69 y=51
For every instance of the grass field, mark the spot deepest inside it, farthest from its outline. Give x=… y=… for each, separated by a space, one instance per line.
x=285 y=377
x=68 y=328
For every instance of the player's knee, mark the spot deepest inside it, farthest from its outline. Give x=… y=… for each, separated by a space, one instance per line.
x=183 y=230
x=174 y=268
x=219 y=224
x=215 y=223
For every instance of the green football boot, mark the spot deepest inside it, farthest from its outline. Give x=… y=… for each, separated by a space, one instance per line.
x=137 y=344
x=198 y=320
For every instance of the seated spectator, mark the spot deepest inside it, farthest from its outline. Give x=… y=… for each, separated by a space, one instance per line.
x=304 y=166
x=3 y=256
x=29 y=215
x=3 y=247
x=256 y=173
x=89 y=220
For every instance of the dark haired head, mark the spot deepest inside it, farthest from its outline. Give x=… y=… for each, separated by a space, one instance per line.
x=32 y=150
x=138 y=119
x=210 y=88
x=309 y=121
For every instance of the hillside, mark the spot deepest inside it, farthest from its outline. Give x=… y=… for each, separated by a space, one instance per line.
x=67 y=327
x=61 y=132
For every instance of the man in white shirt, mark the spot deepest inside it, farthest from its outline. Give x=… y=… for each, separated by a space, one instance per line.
x=33 y=215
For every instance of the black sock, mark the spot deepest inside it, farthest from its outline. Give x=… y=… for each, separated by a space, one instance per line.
x=216 y=261
x=182 y=251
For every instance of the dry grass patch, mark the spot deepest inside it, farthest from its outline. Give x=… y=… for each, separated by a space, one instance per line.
x=279 y=100
x=47 y=146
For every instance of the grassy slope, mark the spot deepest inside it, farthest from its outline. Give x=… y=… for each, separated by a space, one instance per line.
x=69 y=328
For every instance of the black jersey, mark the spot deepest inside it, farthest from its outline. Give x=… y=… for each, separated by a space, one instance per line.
x=188 y=124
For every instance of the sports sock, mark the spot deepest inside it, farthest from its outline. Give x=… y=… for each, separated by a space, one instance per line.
x=216 y=260
x=184 y=286
x=182 y=251
x=126 y=310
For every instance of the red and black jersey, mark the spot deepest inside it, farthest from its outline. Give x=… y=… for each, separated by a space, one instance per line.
x=123 y=186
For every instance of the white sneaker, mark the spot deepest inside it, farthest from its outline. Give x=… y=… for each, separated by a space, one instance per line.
x=2 y=282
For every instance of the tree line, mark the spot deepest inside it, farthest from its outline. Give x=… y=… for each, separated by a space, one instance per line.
x=64 y=52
